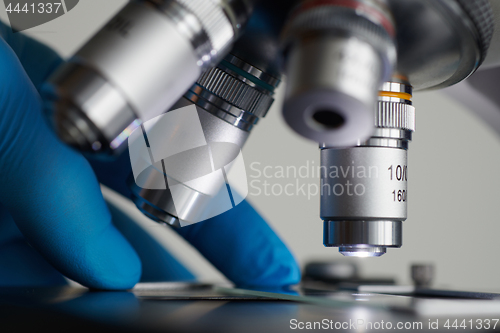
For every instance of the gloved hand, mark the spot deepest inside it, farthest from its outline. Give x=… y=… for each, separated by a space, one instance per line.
x=51 y=199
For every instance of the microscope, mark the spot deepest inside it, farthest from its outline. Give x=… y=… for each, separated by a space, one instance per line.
x=351 y=67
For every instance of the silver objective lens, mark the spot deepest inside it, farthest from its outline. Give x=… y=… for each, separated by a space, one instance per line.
x=138 y=66
x=230 y=99
x=338 y=55
x=364 y=188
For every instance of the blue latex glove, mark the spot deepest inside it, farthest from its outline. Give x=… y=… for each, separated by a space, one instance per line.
x=53 y=196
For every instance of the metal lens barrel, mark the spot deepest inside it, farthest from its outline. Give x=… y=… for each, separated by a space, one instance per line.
x=230 y=99
x=338 y=54
x=364 y=188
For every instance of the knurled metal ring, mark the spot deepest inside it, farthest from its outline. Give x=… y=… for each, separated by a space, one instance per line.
x=235 y=92
x=395 y=115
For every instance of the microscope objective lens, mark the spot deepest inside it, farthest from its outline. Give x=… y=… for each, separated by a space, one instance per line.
x=368 y=220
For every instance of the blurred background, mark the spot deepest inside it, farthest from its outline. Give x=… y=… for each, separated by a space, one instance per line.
x=454 y=182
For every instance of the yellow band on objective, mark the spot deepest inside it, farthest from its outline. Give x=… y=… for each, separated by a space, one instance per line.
x=400 y=95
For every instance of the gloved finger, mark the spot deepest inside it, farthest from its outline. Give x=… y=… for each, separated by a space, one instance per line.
x=37 y=59
x=40 y=61
x=244 y=248
x=52 y=193
x=157 y=263
x=20 y=264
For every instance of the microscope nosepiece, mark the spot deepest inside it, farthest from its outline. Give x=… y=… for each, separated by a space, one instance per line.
x=364 y=188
